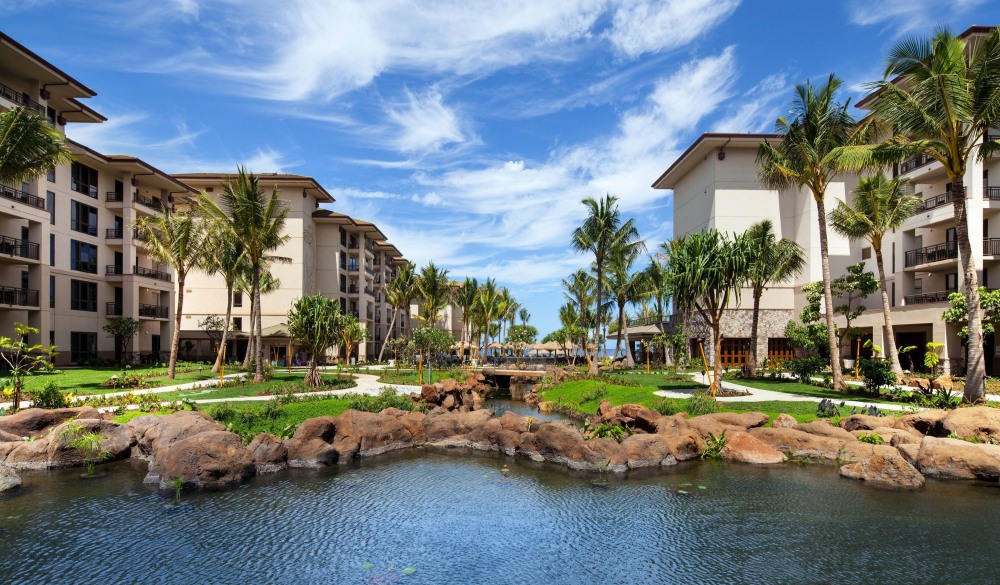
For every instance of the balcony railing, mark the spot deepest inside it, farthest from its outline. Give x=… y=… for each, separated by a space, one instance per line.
x=19 y=248
x=914 y=163
x=12 y=95
x=352 y=245
x=23 y=297
x=370 y=249
x=991 y=193
x=148 y=202
x=936 y=201
x=924 y=298
x=370 y=270
x=114 y=233
x=152 y=311
x=991 y=246
x=352 y=268
x=352 y=290
x=113 y=309
x=83 y=228
x=151 y=273
x=8 y=192
x=114 y=270
x=929 y=254
x=114 y=197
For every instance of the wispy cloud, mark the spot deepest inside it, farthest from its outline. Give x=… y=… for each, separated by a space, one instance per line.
x=758 y=109
x=643 y=26
x=906 y=16
x=424 y=123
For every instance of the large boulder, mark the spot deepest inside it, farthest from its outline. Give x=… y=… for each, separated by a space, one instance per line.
x=800 y=444
x=891 y=436
x=116 y=439
x=648 y=450
x=642 y=418
x=366 y=434
x=449 y=428
x=745 y=448
x=430 y=394
x=156 y=433
x=211 y=460
x=954 y=459
x=312 y=443
x=943 y=382
x=977 y=422
x=561 y=442
x=825 y=429
x=886 y=468
x=30 y=422
x=29 y=454
x=925 y=422
x=9 y=479
x=268 y=453
x=784 y=421
x=685 y=443
x=726 y=421
x=864 y=422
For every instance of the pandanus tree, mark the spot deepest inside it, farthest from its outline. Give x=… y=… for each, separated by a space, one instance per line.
x=315 y=322
x=625 y=286
x=29 y=146
x=938 y=98
x=809 y=155
x=177 y=239
x=707 y=270
x=601 y=232
x=400 y=293
x=770 y=261
x=880 y=205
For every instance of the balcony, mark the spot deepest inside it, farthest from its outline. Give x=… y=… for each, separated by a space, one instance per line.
x=991 y=193
x=368 y=290
x=352 y=245
x=370 y=271
x=936 y=201
x=114 y=197
x=152 y=311
x=114 y=270
x=946 y=251
x=914 y=163
x=925 y=298
x=154 y=204
x=113 y=309
x=991 y=246
x=22 y=297
x=150 y=273
x=352 y=268
x=352 y=290
x=18 y=248
x=370 y=249
x=19 y=98
x=115 y=233
x=8 y=192
x=83 y=228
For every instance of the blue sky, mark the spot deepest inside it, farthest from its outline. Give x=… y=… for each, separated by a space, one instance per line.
x=468 y=130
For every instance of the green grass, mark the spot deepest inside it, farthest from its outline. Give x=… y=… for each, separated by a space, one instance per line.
x=124 y=418
x=793 y=387
x=90 y=380
x=279 y=383
x=658 y=381
x=409 y=377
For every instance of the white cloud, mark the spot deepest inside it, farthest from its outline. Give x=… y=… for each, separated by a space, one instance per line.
x=906 y=16
x=424 y=123
x=652 y=26
x=758 y=109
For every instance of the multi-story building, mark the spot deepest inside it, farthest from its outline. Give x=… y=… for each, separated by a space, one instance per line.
x=325 y=252
x=68 y=258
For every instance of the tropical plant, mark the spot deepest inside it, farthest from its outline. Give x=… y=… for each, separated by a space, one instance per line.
x=932 y=357
x=432 y=286
x=88 y=443
x=399 y=293
x=625 y=287
x=877 y=374
x=29 y=146
x=464 y=298
x=881 y=205
x=810 y=155
x=123 y=330
x=49 y=396
x=227 y=260
x=23 y=359
x=351 y=334
x=315 y=321
x=487 y=309
x=519 y=337
x=431 y=342
x=714 y=446
x=851 y=289
x=177 y=239
x=770 y=261
x=601 y=232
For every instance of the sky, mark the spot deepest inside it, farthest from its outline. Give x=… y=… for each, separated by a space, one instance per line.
x=469 y=131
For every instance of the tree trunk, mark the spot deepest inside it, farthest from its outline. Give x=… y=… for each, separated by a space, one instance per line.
x=598 y=316
x=225 y=328
x=249 y=351
x=312 y=378
x=175 y=343
x=258 y=374
x=975 y=369
x=717 y=347
x=629 y=360
x=754 y=322
x=831 y=328
x=621 y=325
x=890 y=342
x=392 y=324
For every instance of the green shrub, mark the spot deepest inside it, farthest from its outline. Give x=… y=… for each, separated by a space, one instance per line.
x=50 y=396
x=713 y=446
x=701 y=403
x=871 y=438
x=807 y=367
x=666 y=406
x=945 y=400
x=877 y=374
x=595 y=394
x=387 y=398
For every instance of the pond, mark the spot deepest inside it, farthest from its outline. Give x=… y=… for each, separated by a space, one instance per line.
x=428 y=516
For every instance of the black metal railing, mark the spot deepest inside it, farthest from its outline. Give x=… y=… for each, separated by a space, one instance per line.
x=936 y=201
x=914 y=163
x=114 y=270
x=23 y=297
x=991 y=246
x=114 y=233
x=152 y=311
x=113 y=309
x=352 y=245
x=8 y=192
x=370 y=270
x=928 y=254
x=20 y=248
x=991 y=193
x=114 y=197
x=151 y=273
x=352 y=290
x=148 y=202
x=83 y=228
x=924 y=298
x=18 y=97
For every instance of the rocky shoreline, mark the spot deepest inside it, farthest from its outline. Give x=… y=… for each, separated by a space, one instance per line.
x=192 y=446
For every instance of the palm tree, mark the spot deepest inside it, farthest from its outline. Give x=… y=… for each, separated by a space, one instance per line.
x=29 y=146
x=177 y=239
x=881 y=205
x=580 y=291
x=626 y=287
x=464 y=298
x=939 y=97
x=229 y=261
x=432 y=286
x=488 y=307
x=810 y=155
x=601 y=232
x=400 y=293
x=770 y=261
x=259 y=220
x=657 y=287
x=707 y=270
x=524 y=315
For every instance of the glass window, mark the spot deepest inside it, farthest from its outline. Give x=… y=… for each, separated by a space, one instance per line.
x=238 y=298
x=83 y=295
x=951 y=282
x=50 y=204
x=83 y=218
x=52 y=249
x=52 y=291
x=83 y=257
x=83 y=179
x=51 y=175
x=82 y=346
x=238 y=323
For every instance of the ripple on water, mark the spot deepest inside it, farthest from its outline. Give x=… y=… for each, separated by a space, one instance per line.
x=432 y=517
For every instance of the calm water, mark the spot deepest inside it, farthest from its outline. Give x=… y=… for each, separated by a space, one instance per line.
x=433 y=517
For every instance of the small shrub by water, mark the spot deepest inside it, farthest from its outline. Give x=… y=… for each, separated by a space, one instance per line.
x=701 y=403
x=50 y=396
x=387 y=398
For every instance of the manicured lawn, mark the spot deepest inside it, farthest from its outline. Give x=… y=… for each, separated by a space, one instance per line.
x=409 y=377
x=658 y=381
x=90 y=380
x=792 y=387
x=279 y=383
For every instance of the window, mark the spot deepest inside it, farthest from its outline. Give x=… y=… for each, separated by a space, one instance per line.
x=866 y=253
x=50 y=204
x=82 y=346
x=951 y=282
x=238 y=298
x=52 y=292
x=83 y=295
x=238 y=323
x=51 y=175
x=52 y=249
x=892 y=299
x=734 y=351
x=50 y=115
x=83 y=218
x=83 y=257
x=83 y=179
x=894 y=257
x=780 y=349
x=24 y=279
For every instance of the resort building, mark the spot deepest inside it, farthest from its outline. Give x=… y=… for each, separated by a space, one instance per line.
x=326 y=252
x=68 y=257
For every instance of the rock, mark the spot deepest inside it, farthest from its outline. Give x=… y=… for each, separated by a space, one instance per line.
x=648 y=450
x=979 y=422
x=116 y=438
x=603 y=407
x=955 y=459
x=312 y=443
x=890 y=435
x=943 y=382
x=268 y=453
x=29 y=454
x=923 y=384
x=561 y=442
x=449 y=385
x=430 y=394
x=726 y=421
x=926 y=422
x=366 y=434
x=518 y=424
x=886 y=468
x=745 y=448
x=449 y=429
x=9 y=479
x=685 y=443
x=449 y=402
x=546 y=406
x=642 y=417
x=30 y=422
x=9 y=437
x=155 y=433
x=784 y=421
x=796 y=443
x=825 y=429
x=864 y=422
x=211 y=460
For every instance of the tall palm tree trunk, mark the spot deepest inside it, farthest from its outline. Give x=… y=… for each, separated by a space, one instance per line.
x=598 y=317
x=258 y=375
x=392 y=324
x=975 y=369
x=225 y=328
x=831 y=328
x=754 y=323
x=621 y=325
x=250 y=339
x=175 y=343
x=629 y=359
x=890 y=342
